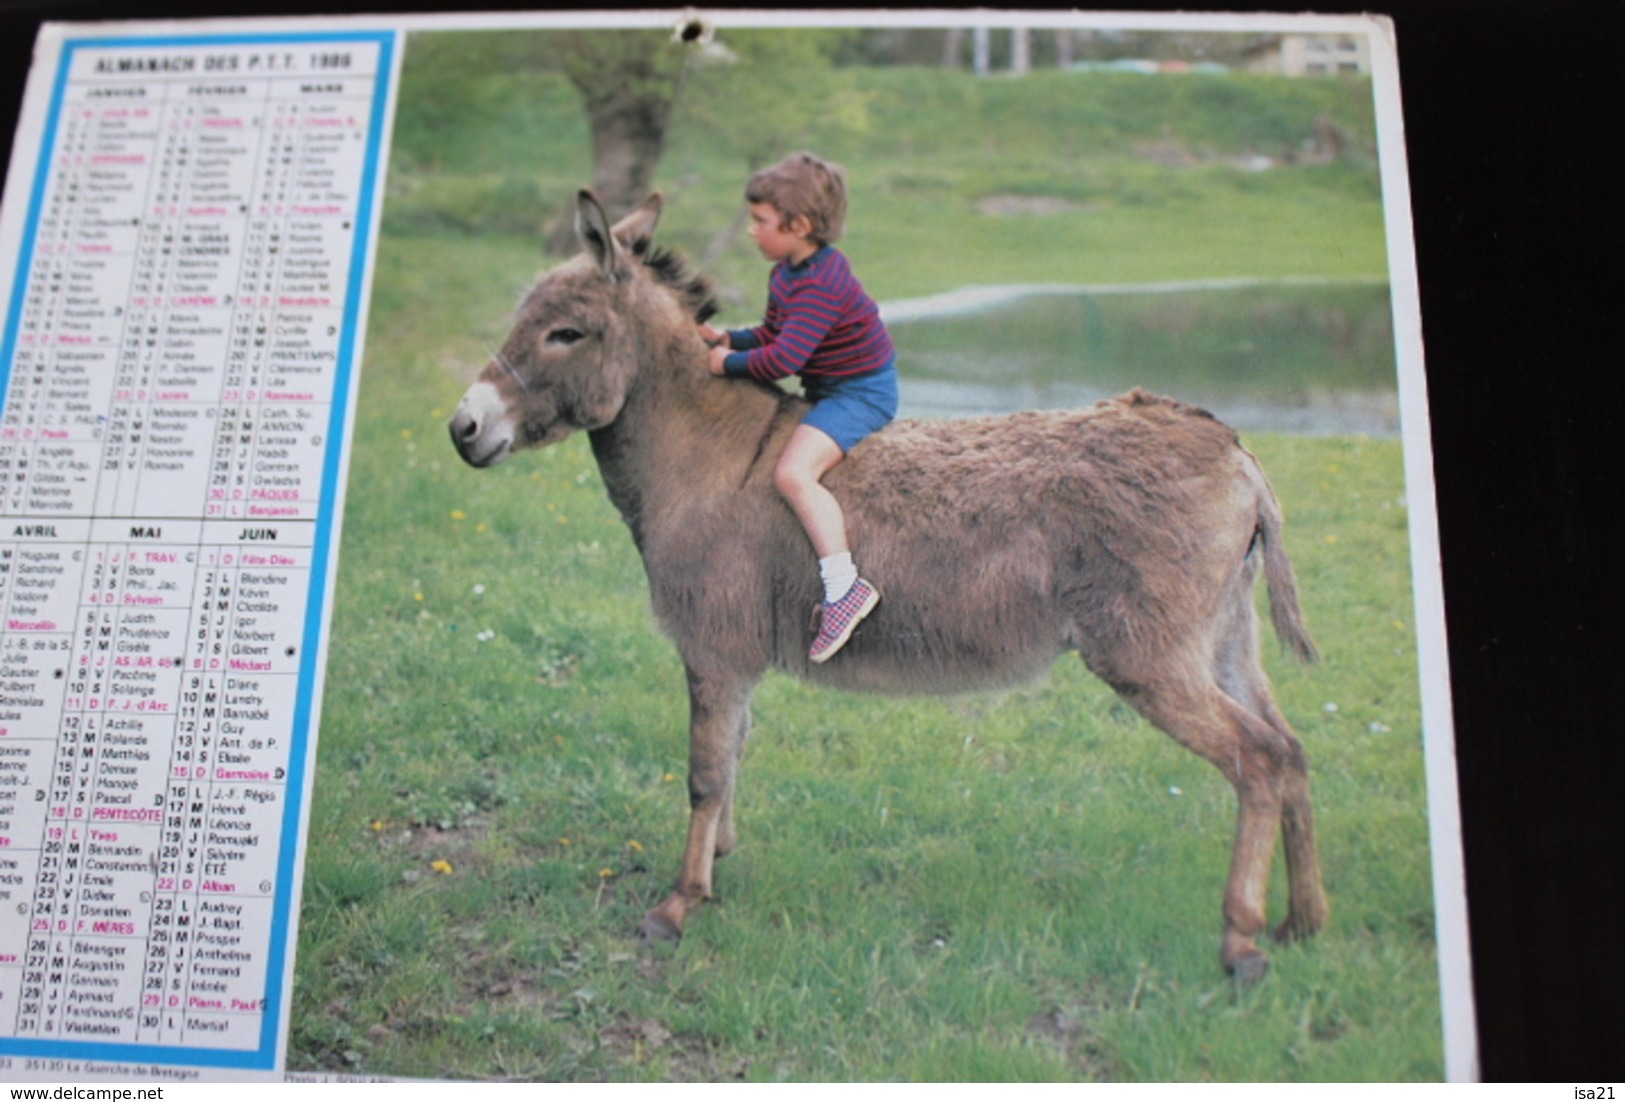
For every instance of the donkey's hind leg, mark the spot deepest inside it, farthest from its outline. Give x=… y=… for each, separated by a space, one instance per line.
x=1242 y=678
x=1307 y=910
x=1200 y=716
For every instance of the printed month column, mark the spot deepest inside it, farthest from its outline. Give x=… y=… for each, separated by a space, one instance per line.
x=185 y=293
x=306 y=205
x=134 y=621
x=61 y=405
x=242 y=688
x=42 y=567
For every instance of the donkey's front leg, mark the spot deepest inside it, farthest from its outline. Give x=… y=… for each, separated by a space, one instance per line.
x=719 y=718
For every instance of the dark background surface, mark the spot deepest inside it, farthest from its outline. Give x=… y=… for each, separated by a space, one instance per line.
x=1513 y=112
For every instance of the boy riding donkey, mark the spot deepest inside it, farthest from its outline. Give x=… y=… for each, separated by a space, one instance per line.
x=821 y=325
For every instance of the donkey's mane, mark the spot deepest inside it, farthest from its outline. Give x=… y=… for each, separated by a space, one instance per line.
x=670 y=268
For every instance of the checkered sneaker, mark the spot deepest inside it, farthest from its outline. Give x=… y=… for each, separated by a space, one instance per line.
x=840 y=618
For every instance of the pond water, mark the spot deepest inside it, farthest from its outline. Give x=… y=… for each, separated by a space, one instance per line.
x=1303 y=357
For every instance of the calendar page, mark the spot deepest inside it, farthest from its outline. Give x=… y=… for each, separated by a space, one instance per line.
x=179 y=368
x=200 y=222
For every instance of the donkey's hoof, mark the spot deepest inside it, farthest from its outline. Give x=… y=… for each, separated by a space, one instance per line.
x=657 y=927
x=1295 y=928
x=1248 y=968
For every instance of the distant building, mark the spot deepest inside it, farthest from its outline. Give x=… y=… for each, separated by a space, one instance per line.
x=1308 y=55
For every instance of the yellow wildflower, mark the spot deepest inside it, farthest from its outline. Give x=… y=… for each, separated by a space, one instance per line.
x=441 y=866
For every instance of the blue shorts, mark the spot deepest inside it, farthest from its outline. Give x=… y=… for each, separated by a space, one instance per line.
x=847 y=410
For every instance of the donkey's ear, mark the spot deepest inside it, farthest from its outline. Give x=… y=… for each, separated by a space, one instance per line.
x=637 y=229
x=592 y=224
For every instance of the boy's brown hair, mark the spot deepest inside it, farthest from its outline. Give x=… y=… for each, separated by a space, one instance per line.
x=805 y=185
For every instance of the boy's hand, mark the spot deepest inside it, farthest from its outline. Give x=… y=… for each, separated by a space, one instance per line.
x=713 y=336
x=718 y=360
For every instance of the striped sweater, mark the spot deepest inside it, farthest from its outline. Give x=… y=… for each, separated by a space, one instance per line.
x=820 y=324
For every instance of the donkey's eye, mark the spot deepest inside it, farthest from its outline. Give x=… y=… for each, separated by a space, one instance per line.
x=564 y=335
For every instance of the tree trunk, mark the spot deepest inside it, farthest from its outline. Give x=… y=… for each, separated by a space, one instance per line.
x=627 y=144
x=628 y=139
x=628 y=84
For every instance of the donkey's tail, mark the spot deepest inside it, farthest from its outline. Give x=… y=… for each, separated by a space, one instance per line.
x=1279 y=580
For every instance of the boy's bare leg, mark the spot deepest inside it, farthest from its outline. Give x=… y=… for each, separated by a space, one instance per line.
x=807 y=458
x=847 y=597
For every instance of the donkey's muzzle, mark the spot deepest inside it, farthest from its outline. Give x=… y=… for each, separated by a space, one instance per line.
x=479 y=429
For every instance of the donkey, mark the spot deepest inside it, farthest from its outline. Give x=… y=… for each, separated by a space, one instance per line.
x=1131 y=532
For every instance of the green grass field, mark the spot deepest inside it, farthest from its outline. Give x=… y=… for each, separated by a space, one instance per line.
x=1017 y=887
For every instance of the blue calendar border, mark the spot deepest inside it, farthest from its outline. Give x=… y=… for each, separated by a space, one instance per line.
x=267 y=1055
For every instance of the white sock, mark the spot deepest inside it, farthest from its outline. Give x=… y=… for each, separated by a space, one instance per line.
x=838 y=574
